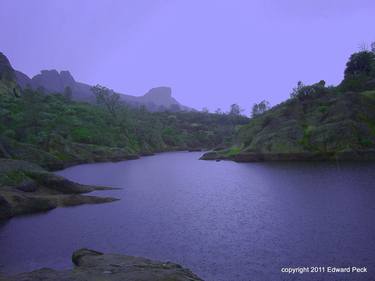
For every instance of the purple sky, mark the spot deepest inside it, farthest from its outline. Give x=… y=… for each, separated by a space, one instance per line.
x=212 y=53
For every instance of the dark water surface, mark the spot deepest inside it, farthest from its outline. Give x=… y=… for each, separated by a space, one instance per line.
x=226 y=221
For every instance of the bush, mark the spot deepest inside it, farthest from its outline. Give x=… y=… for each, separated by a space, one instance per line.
x=359 y=69
x=301 y=90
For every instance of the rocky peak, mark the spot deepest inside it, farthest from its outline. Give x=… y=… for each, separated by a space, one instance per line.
x=54 y=81
x=66 y=78
x=160 y=92
x=160 y=96
x=6 y=70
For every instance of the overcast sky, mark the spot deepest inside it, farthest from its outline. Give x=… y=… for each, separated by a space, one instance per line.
x=212 y=53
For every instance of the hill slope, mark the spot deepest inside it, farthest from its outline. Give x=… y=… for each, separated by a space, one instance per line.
x=316 y=123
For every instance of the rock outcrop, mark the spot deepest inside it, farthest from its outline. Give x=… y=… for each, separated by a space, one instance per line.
x=27 y=188
x=52 y=81
x=91 y=265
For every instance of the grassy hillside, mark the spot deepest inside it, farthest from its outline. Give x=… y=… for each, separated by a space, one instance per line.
x=317 y=122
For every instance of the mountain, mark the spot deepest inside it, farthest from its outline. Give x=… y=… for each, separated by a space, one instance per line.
x=157 y=99
x=52 y=81
x=54 y=131
x=316 y=123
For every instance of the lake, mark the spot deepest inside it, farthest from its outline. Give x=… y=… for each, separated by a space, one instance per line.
x=225 y=221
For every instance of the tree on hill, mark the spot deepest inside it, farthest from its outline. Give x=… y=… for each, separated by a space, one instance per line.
x=301 y=90
x=359 y=70
x=235 y=110
x=259 y=108
x=362 y=63
x=108 y=98
x=218 y=111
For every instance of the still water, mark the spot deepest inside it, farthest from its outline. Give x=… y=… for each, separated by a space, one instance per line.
x=225 y=221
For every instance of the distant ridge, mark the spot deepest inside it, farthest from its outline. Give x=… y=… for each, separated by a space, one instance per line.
x=52 y=81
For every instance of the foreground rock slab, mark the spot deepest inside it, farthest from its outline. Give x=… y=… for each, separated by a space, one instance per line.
x=91 y=265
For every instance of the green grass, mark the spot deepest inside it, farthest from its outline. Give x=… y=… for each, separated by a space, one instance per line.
x=12 y=178
x=234 y=150
x=369 y=94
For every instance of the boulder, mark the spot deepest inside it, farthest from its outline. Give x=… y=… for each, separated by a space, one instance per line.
x=27 y=185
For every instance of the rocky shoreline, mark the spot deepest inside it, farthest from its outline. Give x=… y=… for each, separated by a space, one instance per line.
x=27 y=188
x=362 y=155
x=94 y=266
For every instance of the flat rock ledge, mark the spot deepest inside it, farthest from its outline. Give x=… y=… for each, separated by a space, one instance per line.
x=90 y=265
x=26 y=188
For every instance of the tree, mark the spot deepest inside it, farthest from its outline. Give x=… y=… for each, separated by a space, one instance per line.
x=321 y=83
x=373 y=47
x=108 y=98
x=296 y=90
x=33 y=107
x=359 y=64
x=303 y=90
x=363 y=47
x=360 y=69
x=235 y=110
x=259 y=108
x=218 y=111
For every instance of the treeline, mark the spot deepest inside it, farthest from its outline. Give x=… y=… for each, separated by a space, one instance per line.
x=52 y=122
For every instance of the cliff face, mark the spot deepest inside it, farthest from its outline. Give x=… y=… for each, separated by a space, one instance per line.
x=92 y=265
x=53 y=81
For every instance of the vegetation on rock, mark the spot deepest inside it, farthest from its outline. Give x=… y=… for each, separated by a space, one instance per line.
x=27 y=188
x=316 y=123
